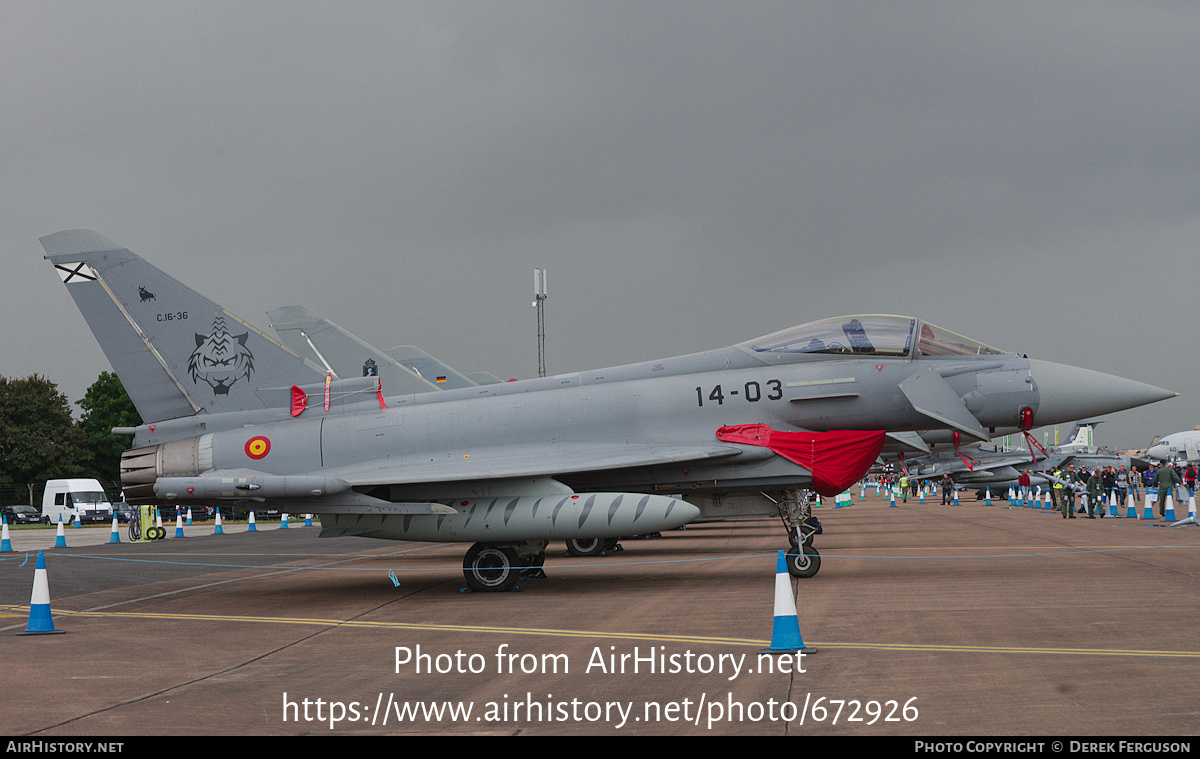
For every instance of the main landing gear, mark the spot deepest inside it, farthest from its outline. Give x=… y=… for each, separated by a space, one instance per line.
x=590 y=546
x=796 y=510
x=496 y=567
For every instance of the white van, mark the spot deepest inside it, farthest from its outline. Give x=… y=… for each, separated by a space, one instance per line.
x=75 y=499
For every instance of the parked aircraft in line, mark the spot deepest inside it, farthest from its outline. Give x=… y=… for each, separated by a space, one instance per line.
x=979 y=465
x=996 y=469
x=232 y=417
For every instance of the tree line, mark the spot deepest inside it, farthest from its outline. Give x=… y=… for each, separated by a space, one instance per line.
x=41 y=440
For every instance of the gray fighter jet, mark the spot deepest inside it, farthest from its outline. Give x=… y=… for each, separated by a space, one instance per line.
x=984 y=466
x=233 y=417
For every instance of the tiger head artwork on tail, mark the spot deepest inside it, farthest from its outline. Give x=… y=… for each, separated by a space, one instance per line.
x=220 y=359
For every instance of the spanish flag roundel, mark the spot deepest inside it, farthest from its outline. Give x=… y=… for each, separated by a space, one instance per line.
x=258 y=446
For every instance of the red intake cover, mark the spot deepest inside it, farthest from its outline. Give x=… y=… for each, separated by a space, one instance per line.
x=837 y=459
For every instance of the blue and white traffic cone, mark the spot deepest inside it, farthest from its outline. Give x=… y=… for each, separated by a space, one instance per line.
x=283 y=521
x=308 y=520
x=921 y=499
x=40 y=620
x=115 y=535
x=5 y=542
x=218 y=529
x=785 y=633
x=1112 y=504
x=189 y=516
x=1130 y=508
x=1148 y=510
x=60 y=539
x=253 y=527
x=987 y=497
x=78 y=521
x=1169 y=513
x=178 y=524
x=893 y=503
x=956 y=496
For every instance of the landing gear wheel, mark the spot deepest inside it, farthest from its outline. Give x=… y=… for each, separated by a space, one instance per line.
x=804 y=563
x=533 y=567
x=587 y=546
x=490 y=568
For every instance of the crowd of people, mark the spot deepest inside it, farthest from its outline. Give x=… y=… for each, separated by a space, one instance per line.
x=1080 y=490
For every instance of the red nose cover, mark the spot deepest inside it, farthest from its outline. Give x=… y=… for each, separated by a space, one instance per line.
x=837 y=459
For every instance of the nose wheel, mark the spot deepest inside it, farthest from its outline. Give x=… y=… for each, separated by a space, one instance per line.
x=803 y=562
x=795 y=507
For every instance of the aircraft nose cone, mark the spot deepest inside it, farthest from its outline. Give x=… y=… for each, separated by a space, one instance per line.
x=1068 y=393
x=1157 y=452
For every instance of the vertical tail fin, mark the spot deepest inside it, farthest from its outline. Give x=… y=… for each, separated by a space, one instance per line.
x=314 y=336
x=1081 y=435
x=177 y=353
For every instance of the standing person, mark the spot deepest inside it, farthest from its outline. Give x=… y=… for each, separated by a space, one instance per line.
x=1165 y=480
x=1135 y=483
x=1095 y=491
x=1068 y=490
x=1110 y=482
x=1122 y=486
x=1189 y=479
x=904 y=487
x=1058 y=496
x=1023 y=484
x=947 y=486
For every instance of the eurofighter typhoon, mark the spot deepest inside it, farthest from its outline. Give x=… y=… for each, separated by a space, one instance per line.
x=235 y=419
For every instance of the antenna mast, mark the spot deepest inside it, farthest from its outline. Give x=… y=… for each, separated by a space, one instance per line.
x=539 y=302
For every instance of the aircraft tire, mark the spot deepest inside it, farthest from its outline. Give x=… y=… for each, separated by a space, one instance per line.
x=490 y=568
x=587 y=546
x=804 y=563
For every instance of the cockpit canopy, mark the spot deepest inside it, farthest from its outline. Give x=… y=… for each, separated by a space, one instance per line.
x=870 y=335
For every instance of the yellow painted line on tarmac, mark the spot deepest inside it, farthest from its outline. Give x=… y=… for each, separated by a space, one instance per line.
x=609 y=635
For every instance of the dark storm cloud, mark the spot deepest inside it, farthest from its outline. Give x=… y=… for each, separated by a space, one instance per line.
x=692 y=174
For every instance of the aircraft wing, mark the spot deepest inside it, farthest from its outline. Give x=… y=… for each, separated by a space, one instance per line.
x=506 y=462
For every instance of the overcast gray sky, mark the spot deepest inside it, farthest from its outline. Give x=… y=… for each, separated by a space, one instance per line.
x=692 y=174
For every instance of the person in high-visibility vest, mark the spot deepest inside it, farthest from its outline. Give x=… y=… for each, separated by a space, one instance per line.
x=1056 y=488
x=904 y=487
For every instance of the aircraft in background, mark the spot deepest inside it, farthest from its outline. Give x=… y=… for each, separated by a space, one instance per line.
x=982 y=466
x=996 y=468
x=235 y=418
x=1178 y=447
x=1084 y=453
x=406 y=369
